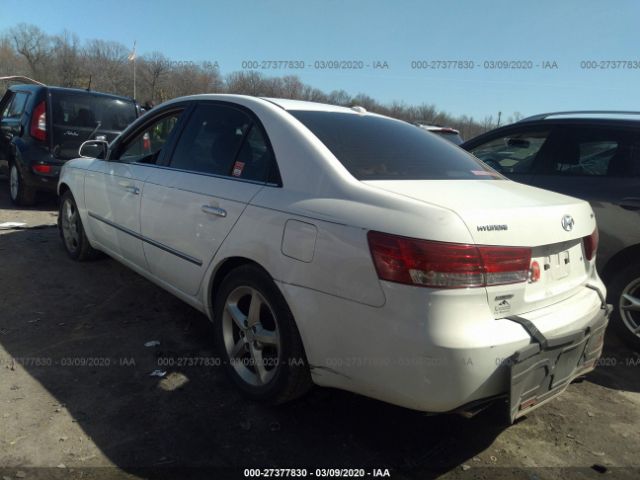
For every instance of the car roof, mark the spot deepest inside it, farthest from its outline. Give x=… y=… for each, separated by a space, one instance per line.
x=282 y=103
x=289 y=105
x=585 y=115
x=33 y=88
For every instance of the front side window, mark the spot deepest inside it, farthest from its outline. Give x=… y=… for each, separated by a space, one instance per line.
x=146 y=146
x=378 y=148
x=225 y=141
x=512 y=153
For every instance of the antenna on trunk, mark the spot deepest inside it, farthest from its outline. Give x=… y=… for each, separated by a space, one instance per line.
x=89 y=86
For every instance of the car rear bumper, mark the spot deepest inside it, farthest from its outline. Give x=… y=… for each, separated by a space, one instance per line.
x=445 y=351
x=43 y=182
x=541 y=371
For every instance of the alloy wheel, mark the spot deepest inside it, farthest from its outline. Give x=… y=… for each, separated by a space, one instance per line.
x=70 y=225
x=14 y=182
x=251 y=336
x=630 y=306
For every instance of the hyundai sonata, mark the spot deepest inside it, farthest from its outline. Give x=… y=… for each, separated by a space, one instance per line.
x=334 y=246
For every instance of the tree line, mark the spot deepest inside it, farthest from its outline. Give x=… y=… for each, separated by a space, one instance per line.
x=105 y=66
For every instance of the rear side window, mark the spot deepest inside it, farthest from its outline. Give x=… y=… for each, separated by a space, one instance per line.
x=91 y=111
x=17 y=105
x=379 y=148
x=514 y=152
x=221 y=140
x=589 y=151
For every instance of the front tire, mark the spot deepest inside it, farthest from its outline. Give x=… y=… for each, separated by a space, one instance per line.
x=258 y=339
x=72 y=232
x=625 y=296
x=19 y=193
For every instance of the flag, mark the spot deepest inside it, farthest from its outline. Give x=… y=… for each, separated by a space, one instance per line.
x=132 y=55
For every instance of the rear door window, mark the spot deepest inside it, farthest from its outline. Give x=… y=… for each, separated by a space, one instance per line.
x=222 y=140
x=379 y=148
x=589 y=151
x=514 y=152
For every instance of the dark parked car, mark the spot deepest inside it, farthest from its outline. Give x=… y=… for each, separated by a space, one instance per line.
x=449 y=133
x=42 y=127
x=590 y=155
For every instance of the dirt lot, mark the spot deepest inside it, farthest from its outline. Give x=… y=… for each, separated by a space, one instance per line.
x=62 y=419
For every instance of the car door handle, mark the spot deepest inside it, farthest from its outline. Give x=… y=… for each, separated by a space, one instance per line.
x=218 y=212
x=132 y=189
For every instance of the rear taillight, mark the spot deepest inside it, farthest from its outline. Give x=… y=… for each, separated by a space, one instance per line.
x=41 y=168
x=446 y=265
x=39 y=122
x=591 y=244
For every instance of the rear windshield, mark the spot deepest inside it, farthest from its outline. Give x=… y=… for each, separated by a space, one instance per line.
x=91 y=111
x=379 y=148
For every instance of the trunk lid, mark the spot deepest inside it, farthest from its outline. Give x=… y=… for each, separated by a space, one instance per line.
x=506 y=213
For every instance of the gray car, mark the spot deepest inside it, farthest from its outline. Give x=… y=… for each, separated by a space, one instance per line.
x=590 y=155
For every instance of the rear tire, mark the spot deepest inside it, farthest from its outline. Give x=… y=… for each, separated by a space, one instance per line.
x=19 y=193
x=258 y=339
x=624 y=294
x=72 y=232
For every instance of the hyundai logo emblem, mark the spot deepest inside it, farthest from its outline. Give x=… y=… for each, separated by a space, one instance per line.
x=567 y=223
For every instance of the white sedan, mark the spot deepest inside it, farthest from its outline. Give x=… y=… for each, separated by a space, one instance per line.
x=333 y=246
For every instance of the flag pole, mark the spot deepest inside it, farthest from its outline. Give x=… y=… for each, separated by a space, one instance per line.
x=132 y=58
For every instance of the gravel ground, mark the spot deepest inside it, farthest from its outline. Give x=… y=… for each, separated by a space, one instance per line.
x=62 y=419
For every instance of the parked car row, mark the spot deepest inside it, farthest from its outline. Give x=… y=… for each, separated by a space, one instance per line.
x=334 y=246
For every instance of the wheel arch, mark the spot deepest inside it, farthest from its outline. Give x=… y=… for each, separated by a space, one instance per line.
x=63 y=188
x=620 y=260
x=222 y=269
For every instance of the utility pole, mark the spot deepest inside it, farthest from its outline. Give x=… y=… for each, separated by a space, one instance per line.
x=499 y=115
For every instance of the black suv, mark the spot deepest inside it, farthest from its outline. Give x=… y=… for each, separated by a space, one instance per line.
x=42 y=127
x=590 y=155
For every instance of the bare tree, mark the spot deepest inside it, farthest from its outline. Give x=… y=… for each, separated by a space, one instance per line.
x=64 y=60
x=108 y=66
x=33 y=44
x=67 y=60
x=153 y=68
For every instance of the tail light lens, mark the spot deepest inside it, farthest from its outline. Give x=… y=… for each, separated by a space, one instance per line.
x=42 y=168
x=39 y=122
x=446 y=265
x=591 y=244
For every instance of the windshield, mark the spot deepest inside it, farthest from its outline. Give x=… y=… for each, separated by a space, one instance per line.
x=380 y=148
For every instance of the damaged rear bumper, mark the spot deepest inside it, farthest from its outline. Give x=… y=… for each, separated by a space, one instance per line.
x=544 y=369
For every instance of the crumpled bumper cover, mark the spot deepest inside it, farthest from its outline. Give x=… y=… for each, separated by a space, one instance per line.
x=544 y=369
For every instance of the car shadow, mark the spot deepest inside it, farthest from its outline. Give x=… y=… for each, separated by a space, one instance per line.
x=84 y=314
x=619 y=366
x=45 y=201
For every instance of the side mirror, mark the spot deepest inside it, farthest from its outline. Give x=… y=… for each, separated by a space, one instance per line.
x=94 y=149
